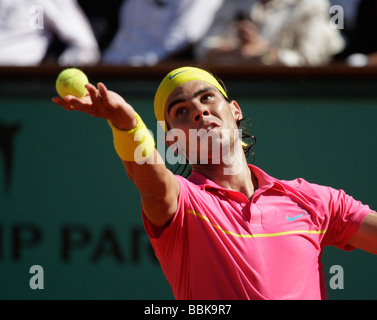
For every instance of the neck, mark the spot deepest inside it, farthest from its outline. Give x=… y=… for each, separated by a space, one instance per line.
x=235 y=176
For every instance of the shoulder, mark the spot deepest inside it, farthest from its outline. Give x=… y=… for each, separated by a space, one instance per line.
x=303 y=184
x=321 y=196
x=337 y=202
x=187 y=184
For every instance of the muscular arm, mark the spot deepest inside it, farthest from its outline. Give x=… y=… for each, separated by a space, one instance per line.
x=365 y=237
x=158 y=187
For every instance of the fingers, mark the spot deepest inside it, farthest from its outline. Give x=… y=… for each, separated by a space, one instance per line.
x=98 y=102
x=57 y=100
x=93 y=93
x=63 y=103
x=104 y=93
x=72 y=103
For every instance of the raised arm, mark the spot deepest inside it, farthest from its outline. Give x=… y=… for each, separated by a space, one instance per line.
x=158 y=187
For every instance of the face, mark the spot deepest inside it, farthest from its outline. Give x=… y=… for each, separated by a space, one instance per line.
x=203 y=116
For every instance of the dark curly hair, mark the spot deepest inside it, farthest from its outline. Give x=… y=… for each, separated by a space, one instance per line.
x=244 y=124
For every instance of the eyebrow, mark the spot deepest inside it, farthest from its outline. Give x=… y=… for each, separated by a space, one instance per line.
x=196 y=94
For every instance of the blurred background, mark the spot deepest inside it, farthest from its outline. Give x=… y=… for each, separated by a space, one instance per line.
x=304 y=71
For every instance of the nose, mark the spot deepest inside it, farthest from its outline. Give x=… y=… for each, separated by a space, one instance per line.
x=200 y=113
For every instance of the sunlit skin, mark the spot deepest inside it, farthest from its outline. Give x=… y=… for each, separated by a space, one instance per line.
x=198 y=105
x=190 y=107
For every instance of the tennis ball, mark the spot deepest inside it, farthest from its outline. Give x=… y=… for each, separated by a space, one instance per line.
x=72 y=81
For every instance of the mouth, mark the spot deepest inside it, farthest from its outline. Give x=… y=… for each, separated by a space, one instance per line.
x=210 y=126
x=211 y=129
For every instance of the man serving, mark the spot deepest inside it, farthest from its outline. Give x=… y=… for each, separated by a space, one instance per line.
x=229 y=230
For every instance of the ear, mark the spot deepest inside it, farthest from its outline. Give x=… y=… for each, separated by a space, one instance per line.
x=236 y=110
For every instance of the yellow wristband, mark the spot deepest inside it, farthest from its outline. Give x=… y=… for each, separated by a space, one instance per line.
x=135 y=145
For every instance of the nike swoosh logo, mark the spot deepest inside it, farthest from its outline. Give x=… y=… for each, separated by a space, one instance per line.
x=294 y=218
x=172 y=77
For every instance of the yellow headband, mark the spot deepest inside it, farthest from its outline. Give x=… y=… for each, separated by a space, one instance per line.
x=174 y=79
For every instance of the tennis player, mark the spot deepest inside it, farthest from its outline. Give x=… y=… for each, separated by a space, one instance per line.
x=229 y=230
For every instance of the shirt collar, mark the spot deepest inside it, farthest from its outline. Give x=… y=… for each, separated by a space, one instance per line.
x=265 y=181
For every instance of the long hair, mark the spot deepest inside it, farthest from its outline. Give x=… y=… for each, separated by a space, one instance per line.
x=244 y=124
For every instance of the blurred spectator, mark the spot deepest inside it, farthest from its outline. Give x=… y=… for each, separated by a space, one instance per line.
x=103 y=19
x=274 y=32
x=362 y=48
x=27 y=29
x=222 y=29
x=153 y=30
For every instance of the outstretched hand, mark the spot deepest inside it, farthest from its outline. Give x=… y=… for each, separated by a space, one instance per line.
x=102 y=103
